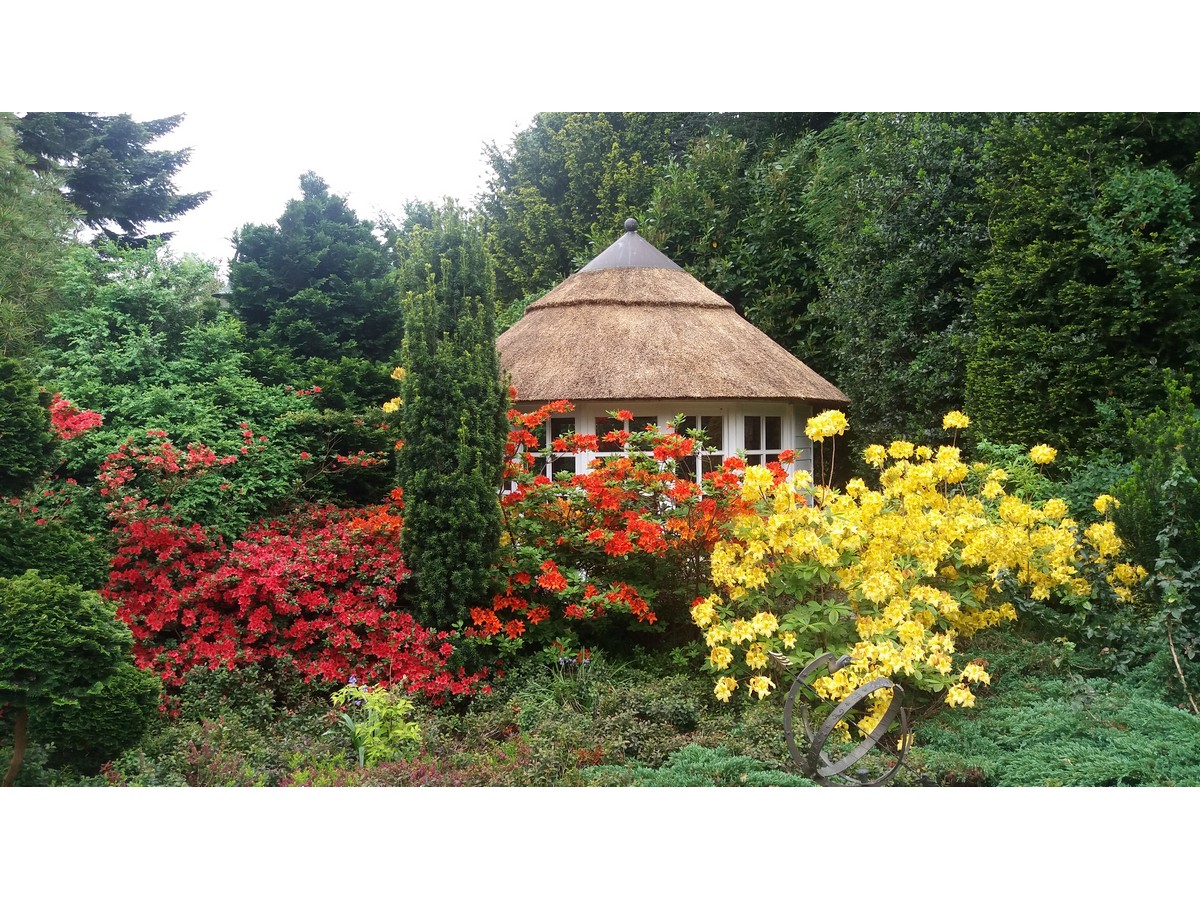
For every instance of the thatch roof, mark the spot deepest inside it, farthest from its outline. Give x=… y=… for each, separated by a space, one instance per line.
x=633 y=325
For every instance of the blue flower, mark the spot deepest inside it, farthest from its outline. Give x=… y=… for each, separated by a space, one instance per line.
x=353 y=680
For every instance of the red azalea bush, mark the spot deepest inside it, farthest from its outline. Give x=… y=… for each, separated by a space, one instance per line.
x=629 y=537
x=68 y=421
x=316 y=592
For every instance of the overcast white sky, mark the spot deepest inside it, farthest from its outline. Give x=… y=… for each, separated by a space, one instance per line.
x=389 y=102
x=252 y=160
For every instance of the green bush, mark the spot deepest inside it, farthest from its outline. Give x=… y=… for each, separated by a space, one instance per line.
x=1045 y=724
x=26 y=444
x=112 y=715
x=53 y=548
x=58 y=642
x=696 y=766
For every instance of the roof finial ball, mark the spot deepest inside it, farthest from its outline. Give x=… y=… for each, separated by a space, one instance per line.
x=631 y=224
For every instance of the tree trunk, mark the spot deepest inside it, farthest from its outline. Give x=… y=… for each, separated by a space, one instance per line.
x=14 y=765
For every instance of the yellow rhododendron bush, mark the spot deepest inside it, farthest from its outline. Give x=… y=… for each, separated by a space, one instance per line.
x=899 y=575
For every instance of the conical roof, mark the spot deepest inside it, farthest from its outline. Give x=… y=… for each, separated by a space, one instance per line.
x=633 y=325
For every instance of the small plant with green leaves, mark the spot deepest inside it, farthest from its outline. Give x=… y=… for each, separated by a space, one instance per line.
x=376 y=721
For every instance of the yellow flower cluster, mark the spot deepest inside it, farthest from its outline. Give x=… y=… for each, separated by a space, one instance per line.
x=1043 y=454
x=954 y=420
x=395 y=403
x=900 y=574
x=828 y=424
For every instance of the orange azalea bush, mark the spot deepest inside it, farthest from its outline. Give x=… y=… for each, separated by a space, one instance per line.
x=898 y=576
x=622 y=547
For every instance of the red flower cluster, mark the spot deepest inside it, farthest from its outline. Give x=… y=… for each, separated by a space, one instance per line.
x=317 y=592
x=628 y=536
x=68 y=421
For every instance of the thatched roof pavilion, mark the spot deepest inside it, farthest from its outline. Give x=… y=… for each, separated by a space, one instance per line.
x=632 y=324
x=633 y=330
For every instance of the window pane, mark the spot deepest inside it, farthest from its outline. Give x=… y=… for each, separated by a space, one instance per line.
x=559 y=427
x=686 y=468
x=714 y=431
x=774 y=433
x=568 y=463
x=754 y=459
x=752 y=439
x=712 y=426
x=604 y=425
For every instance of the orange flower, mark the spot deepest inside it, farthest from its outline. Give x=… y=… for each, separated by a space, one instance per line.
x=552 y=580
x=515 y=628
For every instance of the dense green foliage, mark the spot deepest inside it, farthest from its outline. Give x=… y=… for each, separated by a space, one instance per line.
x=53 y=547
x=731 y=213
x=1160 y=517
x=1090 y=286
x=26 y=445
x=118 y=184
x=568 y=179
x=895 y=220
x=58 y=640
x=35 y=221
x=62 y=654
x=146 y=342
x=314 y=285
x=1046 y=724
x=452 y=421
x=1038 y=269
x=696 y=766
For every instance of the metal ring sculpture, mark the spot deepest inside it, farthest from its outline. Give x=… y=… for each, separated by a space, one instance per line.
x=816 y=764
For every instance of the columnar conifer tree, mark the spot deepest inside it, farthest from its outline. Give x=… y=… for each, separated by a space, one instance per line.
x=452 y=419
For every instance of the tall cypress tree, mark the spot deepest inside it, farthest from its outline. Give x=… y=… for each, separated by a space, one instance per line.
x=452 y=420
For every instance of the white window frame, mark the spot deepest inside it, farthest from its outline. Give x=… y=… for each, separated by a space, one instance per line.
x=733 y=415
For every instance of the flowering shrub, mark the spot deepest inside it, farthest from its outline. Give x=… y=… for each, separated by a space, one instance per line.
x=897 y=576
x=68 y=421
x=317 y=591
x=629 y=537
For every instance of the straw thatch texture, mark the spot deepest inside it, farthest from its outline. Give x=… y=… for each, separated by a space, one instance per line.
x=649 y=333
